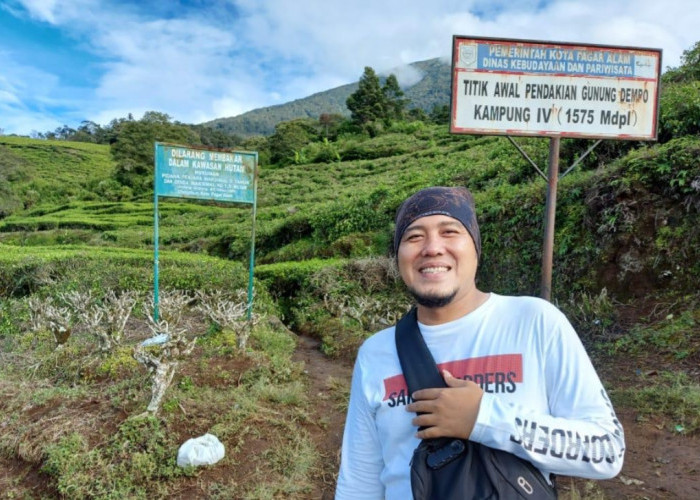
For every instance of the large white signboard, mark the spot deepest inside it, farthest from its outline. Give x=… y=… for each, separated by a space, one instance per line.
x=519 y=87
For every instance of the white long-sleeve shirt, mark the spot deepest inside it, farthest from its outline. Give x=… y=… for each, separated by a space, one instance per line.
x=543 y=400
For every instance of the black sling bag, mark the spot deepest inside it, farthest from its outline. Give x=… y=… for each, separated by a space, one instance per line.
x=452 y=468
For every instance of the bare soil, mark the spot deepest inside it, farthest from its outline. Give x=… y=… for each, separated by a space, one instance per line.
x=321 y=370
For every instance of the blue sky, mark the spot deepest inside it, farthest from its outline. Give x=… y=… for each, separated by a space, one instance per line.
x=65 y=61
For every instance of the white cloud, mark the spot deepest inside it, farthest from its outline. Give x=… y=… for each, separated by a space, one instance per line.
x=8 y=91
x=42 y=10
x=7 y=97
x=25 y=123
x=406 y=75
x=26 y=98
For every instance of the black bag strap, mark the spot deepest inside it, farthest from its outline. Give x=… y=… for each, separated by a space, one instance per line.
x=417 y=363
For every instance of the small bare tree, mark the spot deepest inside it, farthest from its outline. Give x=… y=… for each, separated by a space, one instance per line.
x=117 y=310
x=162 y=358
x=37 y=316
x=171 y=304
x=45 y=314
x=108 y=319
x=93 y=322
x=59 y=321
x=369 y=312
x=228 y=313
x=77 y=302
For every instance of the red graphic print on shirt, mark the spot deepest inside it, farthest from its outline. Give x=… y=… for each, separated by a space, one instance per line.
x=497 y=374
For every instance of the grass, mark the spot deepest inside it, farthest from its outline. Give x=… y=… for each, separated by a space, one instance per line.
x=674 y=335
x=672 y=397
x=340 y=393
x=139 y=453
x=49 y=270
x=339 y=209
x=364 y=188
x=568 y=489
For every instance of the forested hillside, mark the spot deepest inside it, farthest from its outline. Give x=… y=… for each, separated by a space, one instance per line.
x=87 y=410
x=429 y=88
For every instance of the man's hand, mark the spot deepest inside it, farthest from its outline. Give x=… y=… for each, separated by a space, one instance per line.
x=447 y=412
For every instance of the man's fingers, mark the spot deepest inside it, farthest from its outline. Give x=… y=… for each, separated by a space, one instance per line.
x=427 y=420
x=427 y=393
x=430 y=433
x=434 y=393
x=450 y=411
x=426 y=406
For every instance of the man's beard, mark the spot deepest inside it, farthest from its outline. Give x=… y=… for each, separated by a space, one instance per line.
x=432 y=301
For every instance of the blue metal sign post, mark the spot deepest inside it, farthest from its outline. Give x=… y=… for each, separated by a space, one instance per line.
x=204 y=174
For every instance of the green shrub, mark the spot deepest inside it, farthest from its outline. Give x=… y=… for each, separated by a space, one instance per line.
x=29 y=270
x=672 y=336
x=671 y=170
x=679 y=110
x=594 y=317
x=139 y=453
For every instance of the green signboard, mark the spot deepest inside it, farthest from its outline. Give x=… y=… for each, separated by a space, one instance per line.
x=187 y=172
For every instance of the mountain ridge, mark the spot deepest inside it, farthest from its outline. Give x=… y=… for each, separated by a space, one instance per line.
x=432 y=89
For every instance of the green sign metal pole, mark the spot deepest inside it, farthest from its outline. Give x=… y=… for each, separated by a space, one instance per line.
x=252 y=241
x=155 y=241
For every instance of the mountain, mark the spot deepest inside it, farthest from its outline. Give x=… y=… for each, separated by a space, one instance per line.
x=426 y=84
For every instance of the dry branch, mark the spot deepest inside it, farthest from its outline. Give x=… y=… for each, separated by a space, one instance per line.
x=162 y=359
x=228 y=313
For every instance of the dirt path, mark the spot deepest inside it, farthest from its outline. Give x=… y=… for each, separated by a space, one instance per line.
x=328 y=384
x=658 y=464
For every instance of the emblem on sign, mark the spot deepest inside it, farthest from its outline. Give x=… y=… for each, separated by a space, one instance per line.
x=467 y=55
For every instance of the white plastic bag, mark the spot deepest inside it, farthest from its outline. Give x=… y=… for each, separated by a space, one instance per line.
x=204 y=450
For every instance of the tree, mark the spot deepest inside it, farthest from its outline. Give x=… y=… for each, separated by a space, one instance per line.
x=395 y=103
x=368 y=103
x=690 y=67
x=89 y=131
x=679 y=104
x=440 y=114
x=372 y=104
x=133 y=150
x=216 y=138
x=417 y=114
x=63 y=133
x=330 y=124
x=679 y=110
x=289 y=138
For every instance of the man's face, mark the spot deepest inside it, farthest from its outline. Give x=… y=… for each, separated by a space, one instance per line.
x=437 y=260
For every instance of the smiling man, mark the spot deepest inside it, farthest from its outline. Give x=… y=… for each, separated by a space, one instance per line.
x=518 y=376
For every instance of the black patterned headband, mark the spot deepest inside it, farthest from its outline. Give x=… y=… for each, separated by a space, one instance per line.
x=455 y=202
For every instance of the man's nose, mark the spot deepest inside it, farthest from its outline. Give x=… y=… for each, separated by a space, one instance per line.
x=432 y=246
